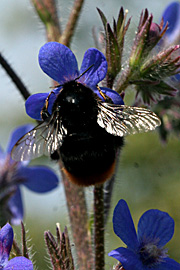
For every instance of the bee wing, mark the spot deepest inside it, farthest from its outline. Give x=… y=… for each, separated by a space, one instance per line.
x=121 y=120
x=45 y=138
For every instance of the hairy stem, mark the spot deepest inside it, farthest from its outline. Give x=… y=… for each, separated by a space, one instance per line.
x=108 y=190
x=47 y=12
x=99 y=227
x=76 y=203
x=71 y=24
x=123 y=81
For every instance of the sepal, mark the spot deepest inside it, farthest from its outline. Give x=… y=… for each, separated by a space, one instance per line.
x=147 y=36
x=114 y=43
x=59 y=249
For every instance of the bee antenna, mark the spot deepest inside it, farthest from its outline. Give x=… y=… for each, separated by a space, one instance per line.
x=53 y=87
x=84 y=72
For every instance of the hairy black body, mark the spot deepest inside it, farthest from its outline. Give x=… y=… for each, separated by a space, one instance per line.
x=84 y=132
x=88 y=151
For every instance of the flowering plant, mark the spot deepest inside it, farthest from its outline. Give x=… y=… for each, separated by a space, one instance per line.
x=6 y=241
x=169 y=107
x=151 y=69
x=13 y=174
x=59 y=62
x=145 y=250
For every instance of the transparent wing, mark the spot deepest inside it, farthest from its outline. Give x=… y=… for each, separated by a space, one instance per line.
x=45 y=138
x=121 y=120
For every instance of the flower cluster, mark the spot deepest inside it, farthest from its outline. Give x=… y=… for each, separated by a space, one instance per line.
x=168 y=108
x=148 y=67
x=6 y=241
x=14 y=174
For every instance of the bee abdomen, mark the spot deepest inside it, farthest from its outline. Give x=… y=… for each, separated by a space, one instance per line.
x=90 y=160
x=95 y=177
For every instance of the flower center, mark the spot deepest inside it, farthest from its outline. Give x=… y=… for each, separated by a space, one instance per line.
x=9 y=177
x=151 y=254
x=8 y=172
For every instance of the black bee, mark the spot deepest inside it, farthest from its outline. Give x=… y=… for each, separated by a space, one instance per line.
x=84 y=132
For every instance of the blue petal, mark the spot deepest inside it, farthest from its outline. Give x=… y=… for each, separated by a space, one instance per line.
x=177 y=76
x=127 y=258
x=16 y=207
x=39 y=179
x=97 y=72
x=116 y=98
x=6 y=240
x=58 y=62
x=17 y=134
x=172 y=16
x=34 y=105
x=124 y=226
x=19 y=263
x=36 y=102
x=168 y=264
x=156 y=225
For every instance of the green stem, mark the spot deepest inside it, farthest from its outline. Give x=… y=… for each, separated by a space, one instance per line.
x=99 y=227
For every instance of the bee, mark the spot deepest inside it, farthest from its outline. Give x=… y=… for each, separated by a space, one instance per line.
x=84 y=132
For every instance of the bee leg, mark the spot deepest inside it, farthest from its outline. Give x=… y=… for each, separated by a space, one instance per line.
x=44 y=112
x=106 y=98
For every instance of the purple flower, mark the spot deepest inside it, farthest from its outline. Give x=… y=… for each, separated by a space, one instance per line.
x=17 y=263
x=59 y=63
x=145 y=249
x=14 y=174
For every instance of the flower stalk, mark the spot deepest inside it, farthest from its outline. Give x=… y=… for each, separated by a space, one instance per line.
x=14 y=77
x=47 y=11
x=68 y=32
x=76 y=203
x=99 y=227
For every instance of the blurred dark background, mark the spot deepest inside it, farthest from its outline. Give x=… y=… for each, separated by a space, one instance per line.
x=149 y=171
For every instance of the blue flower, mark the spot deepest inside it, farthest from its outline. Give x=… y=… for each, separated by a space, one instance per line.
x=14 y=174
x=17 y=263
x=145 y=250
x=171 y=15
x=59 y=63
